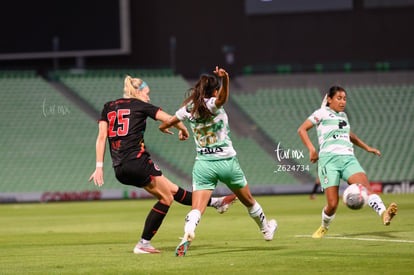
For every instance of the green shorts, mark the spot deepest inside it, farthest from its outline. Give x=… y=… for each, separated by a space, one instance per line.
x=332 y=168
x=206 y=174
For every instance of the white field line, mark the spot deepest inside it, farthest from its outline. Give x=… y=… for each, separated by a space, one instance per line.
x=358 y=239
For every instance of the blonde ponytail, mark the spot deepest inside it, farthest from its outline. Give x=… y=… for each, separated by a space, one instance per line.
x=131 y=85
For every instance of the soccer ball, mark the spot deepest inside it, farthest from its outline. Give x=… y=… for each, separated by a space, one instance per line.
x=355 y=196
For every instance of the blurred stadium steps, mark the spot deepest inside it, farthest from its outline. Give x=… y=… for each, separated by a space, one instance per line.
x=169 y=91
x=379 y=108
x=46 y=141
x=49 y=127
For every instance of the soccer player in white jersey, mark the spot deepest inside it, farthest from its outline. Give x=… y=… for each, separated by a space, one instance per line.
x=216 y=158
x=336 y=158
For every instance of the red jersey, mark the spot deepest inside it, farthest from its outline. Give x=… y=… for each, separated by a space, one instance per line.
x=126 y=118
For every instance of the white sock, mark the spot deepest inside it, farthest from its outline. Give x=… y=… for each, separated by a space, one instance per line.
x=213 y=201
x=256 y=212
x=191 y=221
x=375 y=202
x=144 y=241
x=326 y=220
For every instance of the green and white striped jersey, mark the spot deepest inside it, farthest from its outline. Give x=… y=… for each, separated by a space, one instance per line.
x=212 y=137
x=333 y=132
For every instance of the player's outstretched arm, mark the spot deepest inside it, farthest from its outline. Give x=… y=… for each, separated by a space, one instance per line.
x=173 y=121
x=358 y=142
x=223 y=93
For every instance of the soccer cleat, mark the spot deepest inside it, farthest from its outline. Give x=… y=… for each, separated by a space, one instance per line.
x=184 y=244
x=146 y=248
x=389 y=213
x=223 y=203
x=270 y=230
x=320 y=232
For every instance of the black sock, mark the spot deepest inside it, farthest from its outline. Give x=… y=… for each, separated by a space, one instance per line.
x=154 y=220
x=183 y=196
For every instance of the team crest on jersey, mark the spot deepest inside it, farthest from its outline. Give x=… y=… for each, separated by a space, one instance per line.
x=342 y=124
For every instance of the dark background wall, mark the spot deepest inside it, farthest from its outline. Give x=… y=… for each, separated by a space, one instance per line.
x=202 y=28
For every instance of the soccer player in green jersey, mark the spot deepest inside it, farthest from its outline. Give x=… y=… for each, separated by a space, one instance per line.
x=216 y=158
x=336 y=158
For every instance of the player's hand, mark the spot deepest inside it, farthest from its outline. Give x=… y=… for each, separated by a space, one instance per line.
x=166 y=130
x=183 y=135
x=220 y=72
x=375 y=151
x=97 y=177
x=313 y=156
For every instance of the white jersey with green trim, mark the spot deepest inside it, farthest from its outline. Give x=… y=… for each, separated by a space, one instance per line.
x=212 y=137
x=333 y=132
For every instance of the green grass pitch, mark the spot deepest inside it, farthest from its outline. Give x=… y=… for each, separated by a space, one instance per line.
x=98 y=238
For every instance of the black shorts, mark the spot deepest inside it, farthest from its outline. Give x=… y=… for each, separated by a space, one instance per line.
x=137 y=172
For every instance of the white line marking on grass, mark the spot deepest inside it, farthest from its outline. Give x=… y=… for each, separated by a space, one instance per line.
x=358 y=239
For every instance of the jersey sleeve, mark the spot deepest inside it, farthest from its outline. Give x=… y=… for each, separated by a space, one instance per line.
x=316 y=117
x=211 y=105
x=151 y=110
x=104 y=113
x=182 y=113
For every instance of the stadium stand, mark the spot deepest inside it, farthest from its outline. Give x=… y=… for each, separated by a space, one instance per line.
x=279 y=112
x=379 y=108
x=382 y=116
x=48 y=141
x=169 y=91
x=166 y=91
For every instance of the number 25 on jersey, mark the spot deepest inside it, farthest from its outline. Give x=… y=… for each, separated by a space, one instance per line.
x=118 y=123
